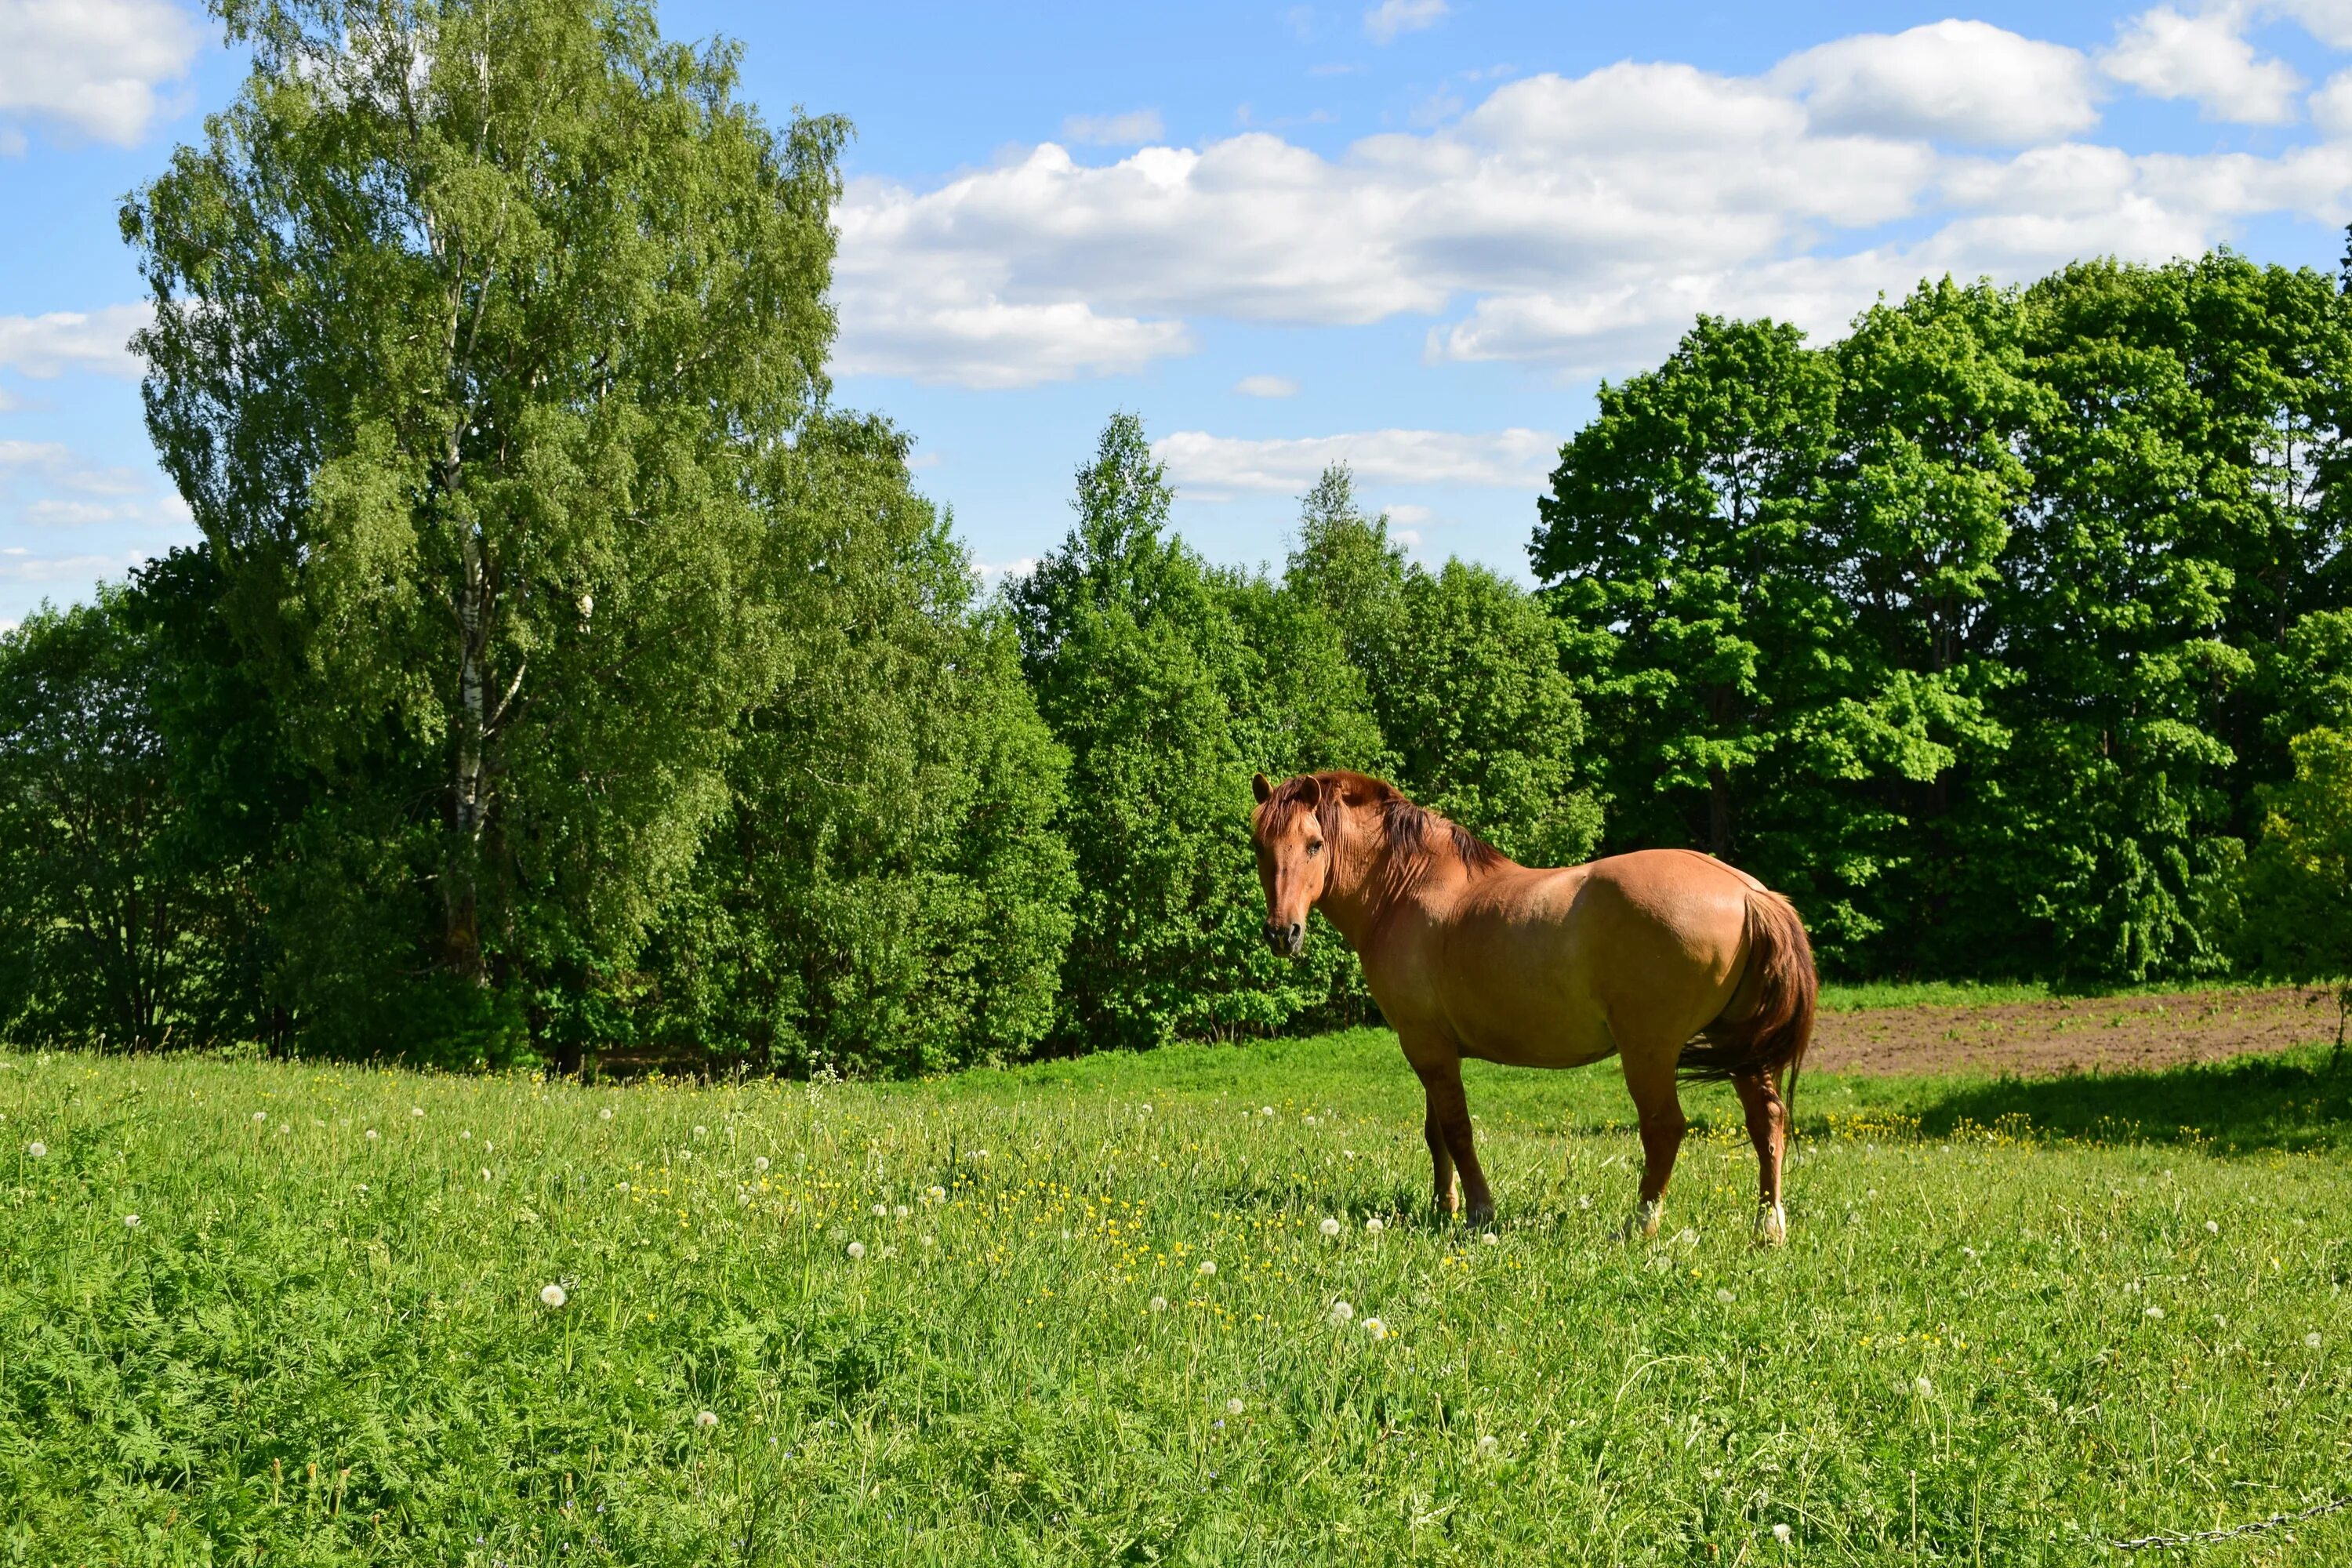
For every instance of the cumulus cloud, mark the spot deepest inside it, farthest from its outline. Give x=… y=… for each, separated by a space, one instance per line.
x=1113 y=130
x=2205 y=58
x=1954 y=80
x=73 y=339
x=2330 y=21
x=95 y=68
x=1206 y=466
x=1384 y=22
x=2331 y=106
x=1574 y=221
x=1266 y=386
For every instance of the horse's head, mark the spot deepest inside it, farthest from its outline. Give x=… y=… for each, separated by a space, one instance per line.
x=1293 y=860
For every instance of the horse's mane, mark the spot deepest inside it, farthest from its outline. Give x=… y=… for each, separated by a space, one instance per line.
x=1414 y=835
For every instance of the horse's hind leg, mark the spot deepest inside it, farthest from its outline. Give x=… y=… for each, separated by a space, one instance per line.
x=1768 y=1128
x=1650 y=1078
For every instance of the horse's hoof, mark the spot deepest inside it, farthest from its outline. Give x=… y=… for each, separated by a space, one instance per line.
x=1643 y=1221
x=1771 y=1226
x=1482 y=1214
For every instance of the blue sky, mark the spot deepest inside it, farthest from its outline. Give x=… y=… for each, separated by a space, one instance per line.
x=1414 y=234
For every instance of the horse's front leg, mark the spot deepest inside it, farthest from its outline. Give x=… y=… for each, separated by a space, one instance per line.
x=1447 y=1192
x=1447 y=1128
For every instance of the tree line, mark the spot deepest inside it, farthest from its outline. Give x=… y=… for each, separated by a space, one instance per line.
x=560 y=672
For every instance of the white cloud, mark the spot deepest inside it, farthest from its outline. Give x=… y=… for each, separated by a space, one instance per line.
x=93 y=67
x=77 y=340
x=1266 y=386
x=990 y=574
x=2330 y=21
x=2205 y=58
x=1959 y=81
x=2331 y=106
x=1574 y=221
x=1206 y=466
x=23 y=566
x=1386 y=20
x=1113 y=130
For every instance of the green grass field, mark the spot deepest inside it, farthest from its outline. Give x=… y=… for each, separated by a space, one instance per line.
x=971 y=1320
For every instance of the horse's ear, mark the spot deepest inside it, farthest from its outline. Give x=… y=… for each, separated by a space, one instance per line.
x=1310 y=792
x=1260 y=788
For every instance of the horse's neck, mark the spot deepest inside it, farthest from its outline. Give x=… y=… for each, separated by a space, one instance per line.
x=1370 y=891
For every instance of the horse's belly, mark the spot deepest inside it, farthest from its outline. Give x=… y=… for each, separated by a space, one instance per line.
x=1560 y=1044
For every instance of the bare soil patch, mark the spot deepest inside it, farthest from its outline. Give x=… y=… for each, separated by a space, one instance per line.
x=2075 y=1034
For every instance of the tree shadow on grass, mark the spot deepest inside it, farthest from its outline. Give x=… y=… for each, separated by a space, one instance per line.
x=2300 y=1099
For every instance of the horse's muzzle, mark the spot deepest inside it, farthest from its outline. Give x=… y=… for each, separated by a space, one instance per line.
x=1288 y=940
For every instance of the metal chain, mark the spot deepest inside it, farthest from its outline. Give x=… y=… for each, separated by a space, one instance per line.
x=2255 y=1527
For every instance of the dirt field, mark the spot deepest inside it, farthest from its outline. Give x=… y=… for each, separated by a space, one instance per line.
x=2114 y=1034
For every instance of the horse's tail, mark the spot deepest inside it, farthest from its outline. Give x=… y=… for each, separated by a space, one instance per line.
x=1779 y=1025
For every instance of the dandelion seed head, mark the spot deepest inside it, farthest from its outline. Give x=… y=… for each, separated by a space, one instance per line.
x=706 y=1420
x=485 y=1173
x=931 y=1241
x=1341 y=1311
x=1780 y=1533
x=1232 y=1407
x=2311 y=1341
x=759 y=1162
x=1208 y=1266
x=1373 y=1225
x=902 y=1211
x=2212 y=1228
x=1329 y=1227
x=857 y=1249
x=130 y=1222
x=1724 y=1296
x=1487 y=1444
x=1926 y=1389
x=935 y=1195
x=36 y=1149
x=1491 y=1239
x=416 y=1110
x=2153 y=1312
x=261 y=1116
x=620 y=1186
x=373 y=1135
x=553 y=1295
x=881 y=1211
x=1160 y=1303
x=700 y=1131
x=605 y=1114
x=1377 y=1329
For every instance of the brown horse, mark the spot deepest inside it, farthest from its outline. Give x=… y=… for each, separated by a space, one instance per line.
x=1666 y=957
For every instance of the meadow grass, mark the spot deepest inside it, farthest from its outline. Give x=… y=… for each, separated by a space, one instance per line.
x=2014 y=1321
x=1866 y=995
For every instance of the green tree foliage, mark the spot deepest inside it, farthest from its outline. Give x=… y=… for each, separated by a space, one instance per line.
x=1170 y=684
x=112 y=916
x=2297 y=889
x=2001 y=608
x=481 y=333
x=888 y=891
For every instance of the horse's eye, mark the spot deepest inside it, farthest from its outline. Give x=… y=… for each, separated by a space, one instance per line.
x=1316 y=848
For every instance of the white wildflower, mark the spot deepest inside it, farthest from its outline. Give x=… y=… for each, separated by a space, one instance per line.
x=1265 y=1110
x=1487 y=1445
x=1159 y=1304
x=1329 y=1227
x=2311 y=1341
x=2153 y=1312
x=485 y=1173
x=1232 y=1407
x=1341 y=1311
x=2212 y=1228
x=902 y=1211
x=1725 y=1297
x=1780 y=1533
x=1208 y=1266
x=605 y=1114
x=1491 y=1239
x=857 y=1249
x=553 y=1295
x=261 y=1116
x=706 y=1420
x=372 y=1134
x=1377 y=1329
x=1373 y=1227
x=130 y=1222
x=759 y=1162
x=36 y=1149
